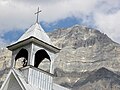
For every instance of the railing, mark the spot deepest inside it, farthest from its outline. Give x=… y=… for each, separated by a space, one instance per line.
x=39 y=78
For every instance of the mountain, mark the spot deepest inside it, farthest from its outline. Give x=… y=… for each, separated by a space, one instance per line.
x=102 y=79
x=79 y=64
x=85 y=49
x=5 y=62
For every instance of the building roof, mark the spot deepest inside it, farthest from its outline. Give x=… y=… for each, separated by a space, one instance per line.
x=37 y=35
x=35 y=31
x=33 y=40
x=20 y=79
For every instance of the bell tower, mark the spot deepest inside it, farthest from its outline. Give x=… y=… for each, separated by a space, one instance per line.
x=32 y=48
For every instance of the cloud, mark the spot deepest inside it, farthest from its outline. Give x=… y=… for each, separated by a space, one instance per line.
x=19 y=14
x=51 y=11
x=107 y=19
x=109 y=24
x=3 y=42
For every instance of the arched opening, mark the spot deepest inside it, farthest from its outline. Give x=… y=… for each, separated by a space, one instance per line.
x=21 y=58
x=42 y=60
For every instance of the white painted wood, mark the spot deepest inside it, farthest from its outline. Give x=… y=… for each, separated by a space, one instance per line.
x=40 y=79
x=36 y=31
x=32 y=40
x=12 y=82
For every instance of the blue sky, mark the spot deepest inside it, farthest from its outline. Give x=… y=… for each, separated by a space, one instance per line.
x=18 y=15
x=14 y=35
x=63 y=23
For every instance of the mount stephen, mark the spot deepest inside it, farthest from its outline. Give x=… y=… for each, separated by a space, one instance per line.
x=88 y=60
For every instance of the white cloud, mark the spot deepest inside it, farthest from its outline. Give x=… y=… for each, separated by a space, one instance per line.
x=107 y=19
x=3 y=43
x=109 y=24
x=19 y=14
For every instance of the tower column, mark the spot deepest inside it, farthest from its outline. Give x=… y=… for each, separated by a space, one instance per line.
x=32 y=54
x=51 y=67
x=13 y=61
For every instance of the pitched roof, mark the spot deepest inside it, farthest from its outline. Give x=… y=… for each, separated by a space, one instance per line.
x=17 y=78
x=20 y=79
x=35 y=31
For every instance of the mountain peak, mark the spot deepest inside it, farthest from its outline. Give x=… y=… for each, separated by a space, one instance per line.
x=79 y=36
x=84 y=46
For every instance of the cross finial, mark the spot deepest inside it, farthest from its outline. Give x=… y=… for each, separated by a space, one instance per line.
x=37 y=14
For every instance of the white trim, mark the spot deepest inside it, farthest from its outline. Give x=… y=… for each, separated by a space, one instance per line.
x=17 y=78
x=31 y=56
x=4 y=83
x=34 y=40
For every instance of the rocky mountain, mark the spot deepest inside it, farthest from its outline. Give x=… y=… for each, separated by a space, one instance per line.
x=79 y=65
x=101 y=79
x=85 y=49
x=5 y=61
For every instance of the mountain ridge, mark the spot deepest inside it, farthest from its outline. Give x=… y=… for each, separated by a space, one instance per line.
x=97 y=47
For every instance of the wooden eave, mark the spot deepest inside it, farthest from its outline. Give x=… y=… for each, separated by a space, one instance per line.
x=33 y=40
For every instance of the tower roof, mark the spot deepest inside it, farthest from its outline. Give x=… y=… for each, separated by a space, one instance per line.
x=35 y=34
x=35 y=31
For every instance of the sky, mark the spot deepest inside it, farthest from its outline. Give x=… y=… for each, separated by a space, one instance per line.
x=16 y=16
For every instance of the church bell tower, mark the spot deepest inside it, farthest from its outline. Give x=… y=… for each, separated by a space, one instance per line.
x=32 y=48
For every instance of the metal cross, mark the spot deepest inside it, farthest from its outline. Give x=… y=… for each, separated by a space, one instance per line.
x=37 y=13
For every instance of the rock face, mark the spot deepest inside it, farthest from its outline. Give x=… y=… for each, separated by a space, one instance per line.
x=85 y=49
x=5 y=62
x=101 y=79
x=79 y=65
